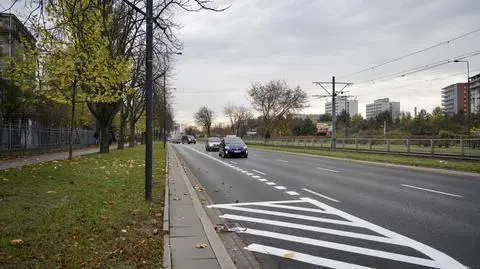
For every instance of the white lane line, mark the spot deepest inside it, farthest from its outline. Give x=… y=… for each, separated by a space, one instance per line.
x=287 y=215
x=261 y=173
x=344 y=247
x=249 y=174
x=329 y=170
x=233 y=162
x=302 y=257
x=292 y=193
x=263 y=179
x=244 y=171
x=271 y=183
x=311 y=228
x=280 y=188
x=256 y=176
x=283 y=161
x=321 y=195
x=258 y=203
x=423 y=189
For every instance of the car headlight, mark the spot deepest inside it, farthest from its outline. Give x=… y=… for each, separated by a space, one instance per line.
x=227 y=147
x=245 y=147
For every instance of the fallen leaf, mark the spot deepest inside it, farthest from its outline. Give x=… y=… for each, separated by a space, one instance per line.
x=124 y=231
x=51 y=192
x=201 y=246
x=289 y=255
x=155 y=231
x=16 y=242
x=5 y=179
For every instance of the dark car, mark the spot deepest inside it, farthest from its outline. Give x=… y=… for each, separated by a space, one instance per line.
x=233 y=147
x=212 y=144
x=189 y=139
x=176 y=139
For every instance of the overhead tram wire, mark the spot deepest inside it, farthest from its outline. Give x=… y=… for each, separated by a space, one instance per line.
x=411 y=54
x=417 y=69
x=420 y=82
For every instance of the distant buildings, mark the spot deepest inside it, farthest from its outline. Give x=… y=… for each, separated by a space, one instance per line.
x=313 y=117
x=342 y=103
x=475 y=94
x=454 y=98
x=380 y=105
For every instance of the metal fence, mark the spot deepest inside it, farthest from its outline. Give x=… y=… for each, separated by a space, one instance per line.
x=462 y=147
x=30 y=136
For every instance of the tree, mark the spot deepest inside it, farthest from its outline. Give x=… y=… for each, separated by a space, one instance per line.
x=204 y=117
x=238 y=117
x=275 y=100
x=325 y=117
x=308 y=128
x=229 y=111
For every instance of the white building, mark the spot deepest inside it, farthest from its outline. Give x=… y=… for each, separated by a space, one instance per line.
x=475 y=94
x=454 y=98
x=380 y=105
x=342 y=103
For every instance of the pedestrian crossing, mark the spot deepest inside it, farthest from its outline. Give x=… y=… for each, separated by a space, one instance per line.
x=311 y=223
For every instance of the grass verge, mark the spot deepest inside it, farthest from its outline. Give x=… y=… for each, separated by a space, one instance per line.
x=89 y=212
x=469 y=166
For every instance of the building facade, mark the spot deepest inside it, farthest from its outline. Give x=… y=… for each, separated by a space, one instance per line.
x=381 y=105
x=342 y=103
x=475 y=94
x=12 y=31
x=454 y=98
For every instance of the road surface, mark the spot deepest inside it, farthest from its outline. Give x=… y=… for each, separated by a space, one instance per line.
x=307 y=212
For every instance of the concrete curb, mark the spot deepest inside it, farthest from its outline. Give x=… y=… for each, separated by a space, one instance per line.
x=166 y=203
x=415 y=168
x=223 y=258
x=167 y=255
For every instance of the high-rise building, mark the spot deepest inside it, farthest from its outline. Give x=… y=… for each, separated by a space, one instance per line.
x=342 y=103
x=454 y=98
x=11 y=32
x=475 y=94
x=381 y=105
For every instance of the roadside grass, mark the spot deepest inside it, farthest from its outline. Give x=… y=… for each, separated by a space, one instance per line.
x=89 y=212
x=469 y=166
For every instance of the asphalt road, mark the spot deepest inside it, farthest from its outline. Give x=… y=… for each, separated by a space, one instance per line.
x=307 y=212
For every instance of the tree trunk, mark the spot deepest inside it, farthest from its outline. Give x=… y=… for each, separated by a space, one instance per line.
x=72 y=127
x=104 y=145
x=132 y=133
x=121 y=135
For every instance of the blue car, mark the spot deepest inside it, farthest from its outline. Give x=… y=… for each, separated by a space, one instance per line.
x=233 y=147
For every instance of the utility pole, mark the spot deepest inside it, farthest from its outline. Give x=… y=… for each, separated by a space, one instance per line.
x=333 y=95
x=149 y=103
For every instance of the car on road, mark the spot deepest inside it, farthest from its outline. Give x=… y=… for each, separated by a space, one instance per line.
x=233 y=147
x=212 y=144
x=189 y=139
x=176 y=139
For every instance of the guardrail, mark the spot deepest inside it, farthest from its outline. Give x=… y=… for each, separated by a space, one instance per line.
x=462 y=148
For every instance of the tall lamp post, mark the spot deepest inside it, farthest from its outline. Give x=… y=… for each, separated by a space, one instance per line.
x=468 y=92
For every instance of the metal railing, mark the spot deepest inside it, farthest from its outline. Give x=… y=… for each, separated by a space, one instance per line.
x=461 y=147
x=20 y=136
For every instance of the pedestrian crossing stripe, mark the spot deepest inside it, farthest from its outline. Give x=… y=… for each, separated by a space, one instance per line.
x=436 y=259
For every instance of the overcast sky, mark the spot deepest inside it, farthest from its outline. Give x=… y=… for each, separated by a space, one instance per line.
x=302 y=41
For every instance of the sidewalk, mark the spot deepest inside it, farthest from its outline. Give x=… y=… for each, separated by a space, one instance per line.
x=188 y=227
x=44 y=158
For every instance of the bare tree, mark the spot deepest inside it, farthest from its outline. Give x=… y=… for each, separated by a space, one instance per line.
x=229 y=111
x=204 y=117
x=238 y=116
x=274 y=100
x=242 y=115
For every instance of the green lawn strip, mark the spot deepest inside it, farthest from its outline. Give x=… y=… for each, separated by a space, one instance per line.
x=86 y=213
x=470 y=166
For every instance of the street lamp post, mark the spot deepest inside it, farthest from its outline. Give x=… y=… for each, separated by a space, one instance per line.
x=468 y=92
